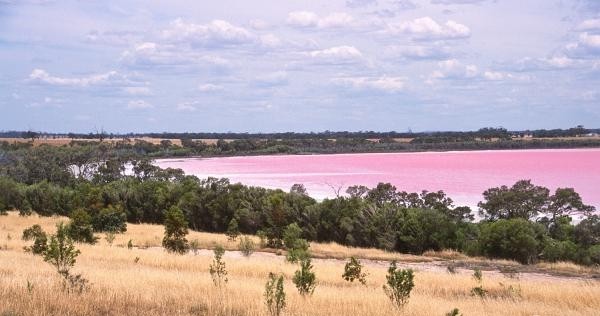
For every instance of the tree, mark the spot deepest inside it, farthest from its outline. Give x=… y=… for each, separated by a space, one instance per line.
x=567 y=202
x=304 y=279
x=217 y=268
x=110 y=219
x=175 y=231
x=274 y=295
x=353 y=271
x=40 y=239
x=522 y=200
x=62 y=254
x=399 y=285
x=516 y=239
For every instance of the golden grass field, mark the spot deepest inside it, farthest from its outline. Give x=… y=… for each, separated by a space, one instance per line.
x=160 y=283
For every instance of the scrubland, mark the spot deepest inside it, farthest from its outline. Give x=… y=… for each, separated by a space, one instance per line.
x=146 y=280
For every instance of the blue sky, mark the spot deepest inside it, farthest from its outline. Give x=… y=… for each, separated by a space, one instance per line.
x=265 y=66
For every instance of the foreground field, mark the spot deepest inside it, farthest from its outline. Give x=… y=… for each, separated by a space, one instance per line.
x=147 y=281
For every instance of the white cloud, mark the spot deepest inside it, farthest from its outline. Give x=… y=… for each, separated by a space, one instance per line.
x=153 y=54
x=418 y=52
x=557 y=62
x=589 y=25
x=209 y=87
x=278 y=78
x=454 y=69
x=109 y=78
x=385 y=83
x=426 y=28
x=503 y=76
x=138 y=105
x=270 y=41
x=217 y=33
x=258 y=24
x=586 y=46
x=338 y=54
x=311 y=19
x=447 y=2
x=186 y=107
x=142 y=91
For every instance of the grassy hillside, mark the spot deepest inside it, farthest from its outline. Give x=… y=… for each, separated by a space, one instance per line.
x=158 y=283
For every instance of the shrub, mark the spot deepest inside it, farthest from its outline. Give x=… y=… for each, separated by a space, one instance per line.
x=110 y=238
x=516 y=239
x=233 y=230
x=110 y=219
x=80 y=227
x=274 y=295
x=399 y=284
x=304 y=279
x=247 y=246
x=40 y=239
x=478 y=290
x=62 y=254
x=299 y=252
x=353 y=271
x=454 y=312
x=217 y=270
x=175 y=231
x=291 y=235
x=559 y=250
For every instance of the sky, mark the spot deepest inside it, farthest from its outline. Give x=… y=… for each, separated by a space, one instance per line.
x=273 y=66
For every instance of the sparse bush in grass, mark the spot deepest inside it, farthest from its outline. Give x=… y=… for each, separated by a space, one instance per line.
x=40 y=240
x=175 y=231
x=399 y=285
x=110 y=238
x=62 y=254
x=233 y=230
x=305 y=278
x=510 y=272
x=246 y=246
x=451 y=268
x=217 y=269
x=353 y=271
x=263 y=238
x=478 y=290
x=130 y=244
x=454 y=312
x=194 y=246
x=80 y=227
x=275 y=295
x=291 y=235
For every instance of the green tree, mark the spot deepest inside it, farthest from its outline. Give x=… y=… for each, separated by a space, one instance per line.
x=275 y=295
x=40 y=239
x=305 y=278
x=399 y=284
x=522 y=200
x=175 y=231
x=516 y=239
x=62 y=254
x=110 y=219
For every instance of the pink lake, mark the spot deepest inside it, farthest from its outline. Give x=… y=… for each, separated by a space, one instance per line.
x=462 y=175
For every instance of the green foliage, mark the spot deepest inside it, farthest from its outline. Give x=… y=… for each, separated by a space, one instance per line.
x=80 y=227
x=247 y=246
x=353 y=271
x=516 y=239
x=522 y=200
x=175 y=231
x=299 y=252
x=40 y=239
x=399 y=284
x=478 y=290
x=12 y=195
x=291 y=235
x=233 y=230
x=217 y=269
x=110 y=219
x=305 y=279
x=559 y=250
x=275 y=295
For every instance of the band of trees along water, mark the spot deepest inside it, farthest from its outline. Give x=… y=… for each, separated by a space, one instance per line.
x=88 y=181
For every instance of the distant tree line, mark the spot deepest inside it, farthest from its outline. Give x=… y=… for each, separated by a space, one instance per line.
x=523 y=222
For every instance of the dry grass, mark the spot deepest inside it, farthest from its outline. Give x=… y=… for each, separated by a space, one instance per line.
x=165 y=284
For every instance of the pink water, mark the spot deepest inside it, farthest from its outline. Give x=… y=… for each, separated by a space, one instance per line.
x=462 y=175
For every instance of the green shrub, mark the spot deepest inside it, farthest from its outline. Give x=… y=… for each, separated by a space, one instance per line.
x=80 y=227
x=400 y=283
x=233 y=230
x=274 y=295
x=299 y=252
x=291 y=236
x=516 y=239
x=478 y=290
x=40 y=239
x=175 y=231
x=305 y=278
x=110 y=219
x=62 y=254
x=353 y=271
x=454 y=312
x=555 y=250
x=246 y=246
x=217 y=269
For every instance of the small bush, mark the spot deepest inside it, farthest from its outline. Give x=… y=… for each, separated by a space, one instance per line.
x=353 y=271
x=454 y=312
x=246 y=246
x=304 y=279
x=62 y=254
x=176 y=228
x=233 y=230
x=40 y=239
x=478 y=290
x=110 y=219
x=399 y=285
x=274 y=295
x=80 y=227
x=217 y=270
x=299 y=252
